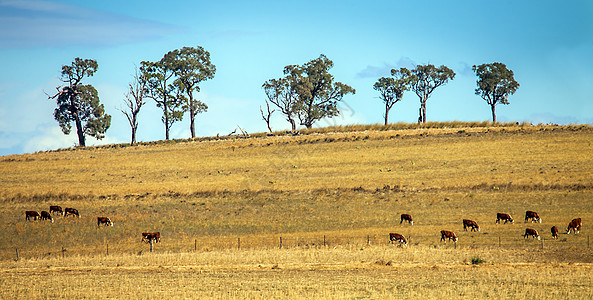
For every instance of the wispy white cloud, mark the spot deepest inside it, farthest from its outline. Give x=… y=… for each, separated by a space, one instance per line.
x=47 y=24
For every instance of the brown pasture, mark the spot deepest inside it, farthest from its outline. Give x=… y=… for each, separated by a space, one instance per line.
x=222 y=207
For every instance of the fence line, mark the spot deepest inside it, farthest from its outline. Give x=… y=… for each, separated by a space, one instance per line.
x=305 y=242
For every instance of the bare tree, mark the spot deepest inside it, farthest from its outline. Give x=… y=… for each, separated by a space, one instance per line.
x=266 y=116
x=134 y=99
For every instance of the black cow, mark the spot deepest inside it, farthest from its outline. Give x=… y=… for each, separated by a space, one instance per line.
x=505 y=217
x=71 y=211
x=31 y=214
x=104 y=221
x=471 y=224
x=46 y=216
x=406 y=217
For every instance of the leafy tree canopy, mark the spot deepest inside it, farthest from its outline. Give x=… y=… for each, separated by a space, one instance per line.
x=79 y=104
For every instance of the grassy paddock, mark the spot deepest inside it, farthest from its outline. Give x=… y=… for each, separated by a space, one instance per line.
x=210 y=197
x=342 y=272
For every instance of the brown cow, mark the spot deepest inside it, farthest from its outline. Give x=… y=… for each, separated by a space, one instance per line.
x=71 y=211
x=31 y=214
x=151 y=236
x=104 y=220
x=574 y=226
x=471 y=224
x=396 y=237
x=554 y=231
x=505 y=217
x=448 y=234
x=46 y=216
x=55 y=209
x=533 y=216
x=408 y=218
x=531 y=232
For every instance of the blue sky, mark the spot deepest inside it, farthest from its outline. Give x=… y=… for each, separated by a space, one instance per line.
x=548 y=44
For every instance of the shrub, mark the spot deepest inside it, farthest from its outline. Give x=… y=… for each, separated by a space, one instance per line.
x=477 y=261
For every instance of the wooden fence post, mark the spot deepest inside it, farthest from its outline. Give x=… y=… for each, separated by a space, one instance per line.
x=150 y=242
x=368 y=240
x=63 y=250
x=542 y=243
x=108 y=249
x=499 y=242
x=587 y=241
x=409 y=239
x=324 y=240
x=238 y=243
x=17 y=254
x=280 y=242
x=195 y=245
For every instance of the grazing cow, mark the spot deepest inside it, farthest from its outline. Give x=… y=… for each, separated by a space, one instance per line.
x=71 y=211
x=471 y=224
x=449 y=235
x=396 y=237
x=554 y=230
x=104 y=220
x=531 y=232
x=505 y=217
x=574 y=226
x=46 y=216
x=30 y=214
x=151 y=236
x=408 y=218
x=533 y=216
x=55 y=209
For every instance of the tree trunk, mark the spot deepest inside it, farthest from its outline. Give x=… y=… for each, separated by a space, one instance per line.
x=424 y=112
x=79 y=131
x=292 y=123
x=192 y=126
x=493 y=108
x=386 y=115
x=133 y=142
x=166 y=112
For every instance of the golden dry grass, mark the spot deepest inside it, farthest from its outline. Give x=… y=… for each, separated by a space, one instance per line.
x=349 y=187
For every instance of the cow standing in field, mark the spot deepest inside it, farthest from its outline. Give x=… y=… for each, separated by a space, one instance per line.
x=71 y=211
x=46 y=216
x=554 y=231
x=396 y=237
x=574 y=226
x=505 y=217
x=31 y=214
x=533 y=216
x=56 y=209
x=531 y=232
x=471 y=224
x=445 y=234
x=406 y=217
x=151 y=236
x=104 y=221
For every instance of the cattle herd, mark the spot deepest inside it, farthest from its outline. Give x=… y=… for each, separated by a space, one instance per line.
x=150 y=237
x=530 y=216
x=32 y=215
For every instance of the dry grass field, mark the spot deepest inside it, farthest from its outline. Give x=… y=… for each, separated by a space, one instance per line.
x=305 y=216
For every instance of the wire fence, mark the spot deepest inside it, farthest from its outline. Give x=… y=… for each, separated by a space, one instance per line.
x=301 y=242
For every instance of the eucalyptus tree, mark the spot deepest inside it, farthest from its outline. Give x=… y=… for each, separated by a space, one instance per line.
x=423 y=80
x=495 y=84
x=79 y=103
x=134 y=100
x=391 y=91
x=282 y=93
x=308 y=92
x=191 y=66
x=161 y=88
